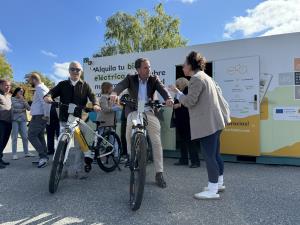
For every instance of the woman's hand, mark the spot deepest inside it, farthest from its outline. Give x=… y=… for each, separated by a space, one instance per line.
x=176 y=106
x=173 y=88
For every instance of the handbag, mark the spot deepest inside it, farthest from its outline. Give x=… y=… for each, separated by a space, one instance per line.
x=224 y=106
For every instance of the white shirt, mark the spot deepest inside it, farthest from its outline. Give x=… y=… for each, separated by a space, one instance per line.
x=74 y=82
x=39 y=106
x=142 y=95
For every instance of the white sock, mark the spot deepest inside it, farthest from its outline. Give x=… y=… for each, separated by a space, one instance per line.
x=221 y=180
x=213 y=187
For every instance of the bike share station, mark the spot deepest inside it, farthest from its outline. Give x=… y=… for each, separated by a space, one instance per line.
x=259 y=77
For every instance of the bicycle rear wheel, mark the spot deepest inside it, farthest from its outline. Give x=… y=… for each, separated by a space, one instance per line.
x=138 y=170
x=58 y=163
x=109 y=162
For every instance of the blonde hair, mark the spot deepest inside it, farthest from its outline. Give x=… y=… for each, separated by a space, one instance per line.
x=35 y=76
x=181 y=83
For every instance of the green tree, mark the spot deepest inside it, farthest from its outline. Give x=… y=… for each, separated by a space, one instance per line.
x=127 y=33
x=5 y=68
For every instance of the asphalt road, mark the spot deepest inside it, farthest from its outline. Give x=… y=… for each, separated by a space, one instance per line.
x=256 y=194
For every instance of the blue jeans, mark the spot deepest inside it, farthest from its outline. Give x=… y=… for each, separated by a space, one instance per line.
x=210 y=148
x=19 y=127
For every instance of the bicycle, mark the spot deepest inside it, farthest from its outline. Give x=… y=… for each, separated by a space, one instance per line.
x=140 y=151
x=101 y=146
x=109 y=163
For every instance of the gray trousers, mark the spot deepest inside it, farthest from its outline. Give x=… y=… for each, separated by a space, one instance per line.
x=19 y=127
x=36 y=135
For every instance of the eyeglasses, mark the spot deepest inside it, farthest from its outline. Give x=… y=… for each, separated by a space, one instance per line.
x=75 y=70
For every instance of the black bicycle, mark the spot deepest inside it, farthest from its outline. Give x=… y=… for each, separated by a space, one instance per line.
x=140 y=151
x=109 y=162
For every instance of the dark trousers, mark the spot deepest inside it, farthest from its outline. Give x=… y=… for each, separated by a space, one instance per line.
x=52 y=131
x=123 y=137
x=210 y=148
x=188 y=147
x=5 y=130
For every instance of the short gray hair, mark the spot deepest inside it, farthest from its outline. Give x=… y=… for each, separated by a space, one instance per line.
x=182 y=82
x=75 y=62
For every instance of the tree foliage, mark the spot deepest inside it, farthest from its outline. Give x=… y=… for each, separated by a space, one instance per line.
x=29 y=91
x=6 y=71
x=127 y=33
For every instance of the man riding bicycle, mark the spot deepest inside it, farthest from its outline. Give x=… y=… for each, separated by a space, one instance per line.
x=142 y=86
x=76 y=91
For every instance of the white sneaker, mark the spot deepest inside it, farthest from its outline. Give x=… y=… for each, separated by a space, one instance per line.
x=15 y=157
x=206 y=195
x=42 y=162
x=29 y=155
x=221 y=188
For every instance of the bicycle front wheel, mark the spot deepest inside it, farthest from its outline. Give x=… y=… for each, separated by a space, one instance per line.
x=138 y=170
x=108 y=163
x=58 y=163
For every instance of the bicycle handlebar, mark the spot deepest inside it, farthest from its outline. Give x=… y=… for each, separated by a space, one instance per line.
x=153 y=104
x=86 y=109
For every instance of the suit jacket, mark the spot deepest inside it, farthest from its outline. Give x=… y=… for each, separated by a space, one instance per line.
x=182 y=119
x=202 y=101
x=131 y=83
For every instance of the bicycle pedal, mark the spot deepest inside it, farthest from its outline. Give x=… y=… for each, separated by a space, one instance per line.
x=88 y=160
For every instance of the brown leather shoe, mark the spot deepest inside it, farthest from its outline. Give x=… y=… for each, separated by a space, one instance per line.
x=160 y=181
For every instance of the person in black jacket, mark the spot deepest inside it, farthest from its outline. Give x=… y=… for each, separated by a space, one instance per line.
x=181 y=119
x=76 y=91
x=52 y=130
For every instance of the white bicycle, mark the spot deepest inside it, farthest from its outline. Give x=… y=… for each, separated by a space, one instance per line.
x=102 y=148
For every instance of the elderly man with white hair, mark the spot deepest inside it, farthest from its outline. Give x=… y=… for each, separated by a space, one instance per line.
x=73 y=90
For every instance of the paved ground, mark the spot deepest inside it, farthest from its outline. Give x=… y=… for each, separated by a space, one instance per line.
x=256 y=194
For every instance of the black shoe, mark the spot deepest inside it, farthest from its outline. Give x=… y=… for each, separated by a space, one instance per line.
x=4 y=163
x=88 y=164
x=179 y=163
x=2 y=166
x=160 y=181
x=195 y=165
x=127 y=163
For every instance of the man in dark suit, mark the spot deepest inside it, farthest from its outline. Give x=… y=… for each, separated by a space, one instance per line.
x=142 y=86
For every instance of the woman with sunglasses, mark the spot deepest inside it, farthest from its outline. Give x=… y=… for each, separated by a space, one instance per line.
x=19 y=121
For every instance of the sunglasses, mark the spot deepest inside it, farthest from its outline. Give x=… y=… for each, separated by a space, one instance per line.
x=75 y=70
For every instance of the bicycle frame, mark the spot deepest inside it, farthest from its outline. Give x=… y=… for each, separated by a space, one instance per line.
x=138 y=122
x=73 y=124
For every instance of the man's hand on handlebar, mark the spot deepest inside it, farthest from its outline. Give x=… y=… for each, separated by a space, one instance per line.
x=48 y=99
x=169 y=102
x=96 y=108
